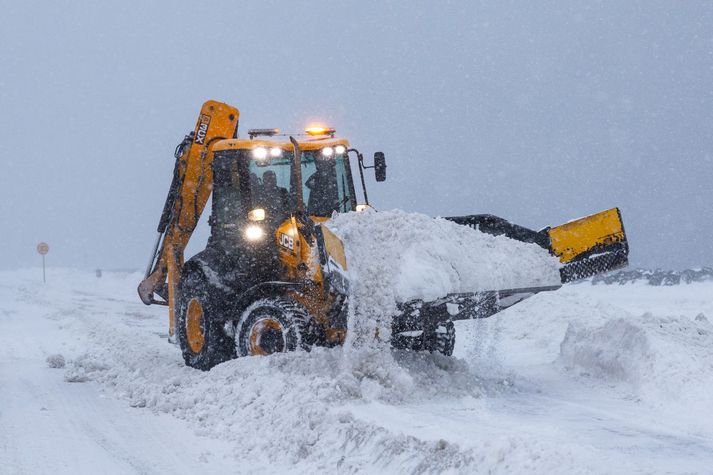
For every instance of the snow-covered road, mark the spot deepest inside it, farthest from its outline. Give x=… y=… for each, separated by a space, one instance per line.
x=588 y=379
x=48 y=425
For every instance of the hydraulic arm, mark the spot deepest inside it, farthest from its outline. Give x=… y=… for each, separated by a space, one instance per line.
x=190 y=189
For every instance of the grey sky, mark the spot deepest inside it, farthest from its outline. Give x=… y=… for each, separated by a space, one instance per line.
x=535 y=111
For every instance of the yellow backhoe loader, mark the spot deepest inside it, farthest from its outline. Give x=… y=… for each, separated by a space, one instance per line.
x=274 y=278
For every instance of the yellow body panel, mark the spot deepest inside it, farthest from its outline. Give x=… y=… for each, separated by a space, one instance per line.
x=290 y=244
x=576 y=237
x=335 y=247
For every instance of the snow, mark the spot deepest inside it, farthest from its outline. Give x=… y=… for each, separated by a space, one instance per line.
x=55 y=361
x=587 y=379
x=395 y=256
x=420 y=257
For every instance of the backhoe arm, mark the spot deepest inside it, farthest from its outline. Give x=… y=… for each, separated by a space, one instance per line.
x=190 y=189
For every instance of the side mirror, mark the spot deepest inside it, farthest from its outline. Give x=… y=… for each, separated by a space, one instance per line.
x=380 y=166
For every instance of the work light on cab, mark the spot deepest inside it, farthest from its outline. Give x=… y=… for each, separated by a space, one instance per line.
x=320 y=131
x=260 y=153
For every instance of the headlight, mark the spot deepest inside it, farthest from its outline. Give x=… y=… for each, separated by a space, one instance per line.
x=254 y=232
x=275 y=152
x=258 y=214
x=340 y=149
x=327 y=151
x=260 y=153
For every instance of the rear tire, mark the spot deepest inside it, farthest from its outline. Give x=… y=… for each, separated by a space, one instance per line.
x=275 y=325
x=203 y=341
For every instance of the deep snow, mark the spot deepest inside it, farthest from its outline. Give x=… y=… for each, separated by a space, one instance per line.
x=567 y=382
x=541 y=387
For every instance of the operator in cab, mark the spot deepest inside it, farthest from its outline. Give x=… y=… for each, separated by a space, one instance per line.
x=324 y=195
x=273 y=198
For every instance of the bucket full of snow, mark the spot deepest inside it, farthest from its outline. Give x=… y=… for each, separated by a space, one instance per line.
x=396 y=257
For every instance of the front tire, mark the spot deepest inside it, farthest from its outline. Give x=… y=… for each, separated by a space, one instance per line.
x=274 y=325
x=203 y=341
x=440 y=340
x=445 y=338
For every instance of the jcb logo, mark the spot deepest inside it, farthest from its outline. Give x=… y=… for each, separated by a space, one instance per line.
x=203 y=123
x=287 y=241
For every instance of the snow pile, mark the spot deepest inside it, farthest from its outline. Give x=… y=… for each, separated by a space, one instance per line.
x=394 y=257
x=288 y=411
x=618 y=351
x=663 y=359
x=55 y=361
x=420 y=257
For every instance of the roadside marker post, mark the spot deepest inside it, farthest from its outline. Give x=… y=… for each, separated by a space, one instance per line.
x=42 y=249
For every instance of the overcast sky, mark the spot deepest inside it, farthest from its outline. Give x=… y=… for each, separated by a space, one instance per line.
x=538 y=112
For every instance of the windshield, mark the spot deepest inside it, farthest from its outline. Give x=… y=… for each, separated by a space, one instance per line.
x=326 y=185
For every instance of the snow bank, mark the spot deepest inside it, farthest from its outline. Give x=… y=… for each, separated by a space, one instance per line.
x=663 y=359
x=619 y=350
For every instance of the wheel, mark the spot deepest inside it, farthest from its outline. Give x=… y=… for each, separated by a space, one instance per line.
x=275 y=325
x=445 y=338
x=203 y=341
x=441 y=340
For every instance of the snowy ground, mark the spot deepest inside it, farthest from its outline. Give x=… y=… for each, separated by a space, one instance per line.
x=588 y=379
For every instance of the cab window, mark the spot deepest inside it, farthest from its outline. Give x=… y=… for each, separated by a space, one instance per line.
x=325 y=184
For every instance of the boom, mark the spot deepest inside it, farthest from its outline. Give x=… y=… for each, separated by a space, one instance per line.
x=190 y=189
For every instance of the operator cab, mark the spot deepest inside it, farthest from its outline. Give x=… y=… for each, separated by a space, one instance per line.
x=326 y=183
x=256 y=180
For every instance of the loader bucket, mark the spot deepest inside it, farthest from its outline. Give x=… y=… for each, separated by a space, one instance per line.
x=591 y=245
x=586 y=247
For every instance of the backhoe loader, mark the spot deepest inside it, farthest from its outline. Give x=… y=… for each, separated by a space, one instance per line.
x=274 y=278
